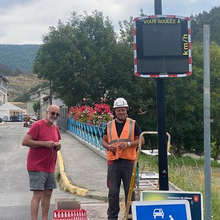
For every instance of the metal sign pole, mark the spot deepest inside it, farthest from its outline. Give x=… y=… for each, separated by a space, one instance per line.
x=207 y=136
x=50 y=92
x=161 y=123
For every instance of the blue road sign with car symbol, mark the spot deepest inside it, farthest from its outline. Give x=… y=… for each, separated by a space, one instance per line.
x=161 y=210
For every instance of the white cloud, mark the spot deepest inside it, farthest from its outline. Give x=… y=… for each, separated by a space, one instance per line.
x=188 y=7
x=25 y=21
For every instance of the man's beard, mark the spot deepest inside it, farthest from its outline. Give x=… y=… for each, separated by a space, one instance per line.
x=123 y=119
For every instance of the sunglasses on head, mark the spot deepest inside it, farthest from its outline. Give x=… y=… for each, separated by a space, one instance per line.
x=54 y=113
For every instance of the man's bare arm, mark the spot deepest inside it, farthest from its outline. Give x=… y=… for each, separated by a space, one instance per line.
x=124 y=145
x=107 y=146
x=30 y=142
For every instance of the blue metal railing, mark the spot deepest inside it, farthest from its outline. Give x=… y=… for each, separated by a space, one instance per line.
x=92 y=134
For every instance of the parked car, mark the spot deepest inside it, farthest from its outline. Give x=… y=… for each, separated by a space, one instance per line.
x=14 y=118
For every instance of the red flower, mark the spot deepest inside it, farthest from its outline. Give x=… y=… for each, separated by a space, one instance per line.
x=86 y=114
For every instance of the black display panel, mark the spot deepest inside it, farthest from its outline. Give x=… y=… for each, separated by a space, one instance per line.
x=162 y=40
x=162 y=45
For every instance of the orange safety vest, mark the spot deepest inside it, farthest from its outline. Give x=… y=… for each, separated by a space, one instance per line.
x=127 y=134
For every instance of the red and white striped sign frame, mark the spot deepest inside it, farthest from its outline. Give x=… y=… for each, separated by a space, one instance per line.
x=189 y=48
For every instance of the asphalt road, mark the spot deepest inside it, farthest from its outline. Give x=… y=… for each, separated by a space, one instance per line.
x=14 y=191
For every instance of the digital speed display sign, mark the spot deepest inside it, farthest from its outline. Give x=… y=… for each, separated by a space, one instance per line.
x=162 y=46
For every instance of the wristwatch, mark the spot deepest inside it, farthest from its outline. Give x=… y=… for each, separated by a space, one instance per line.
x=129 y=143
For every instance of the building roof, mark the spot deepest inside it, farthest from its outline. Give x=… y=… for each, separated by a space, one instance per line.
x=39 y=90
x=21 y=105
x=9 y=106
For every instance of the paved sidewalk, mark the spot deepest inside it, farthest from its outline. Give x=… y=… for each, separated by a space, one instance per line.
x=85 y=172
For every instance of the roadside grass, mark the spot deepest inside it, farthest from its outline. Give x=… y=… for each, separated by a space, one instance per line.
x=188 y=174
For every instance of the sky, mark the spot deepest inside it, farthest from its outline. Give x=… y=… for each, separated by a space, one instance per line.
x=26 y=21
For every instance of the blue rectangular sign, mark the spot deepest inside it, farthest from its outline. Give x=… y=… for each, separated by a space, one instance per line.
x=161 y=210
x=194 y=199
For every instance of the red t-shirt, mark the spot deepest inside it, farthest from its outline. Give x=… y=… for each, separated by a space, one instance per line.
x=41 y=158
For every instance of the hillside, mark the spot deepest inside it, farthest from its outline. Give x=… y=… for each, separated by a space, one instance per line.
x=19 y=85
x=16 y=65
x=18 y=56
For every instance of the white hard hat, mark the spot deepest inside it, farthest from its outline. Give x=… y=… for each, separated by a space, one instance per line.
x=120 y=102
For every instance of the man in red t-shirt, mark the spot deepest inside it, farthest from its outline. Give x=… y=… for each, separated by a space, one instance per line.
x=43 y=140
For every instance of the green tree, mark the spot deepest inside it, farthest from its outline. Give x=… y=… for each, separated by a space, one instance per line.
x=184 y=112
x=76 y=56
x=211 y=18
x=86 y=60
x=36 y=105
x=184 y=104
x=215 y=97
x=214 y=89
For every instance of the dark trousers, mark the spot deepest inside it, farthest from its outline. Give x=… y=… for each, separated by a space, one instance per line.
x=118 y=170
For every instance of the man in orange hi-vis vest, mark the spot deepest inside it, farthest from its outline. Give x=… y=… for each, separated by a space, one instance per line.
x=121 y=139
